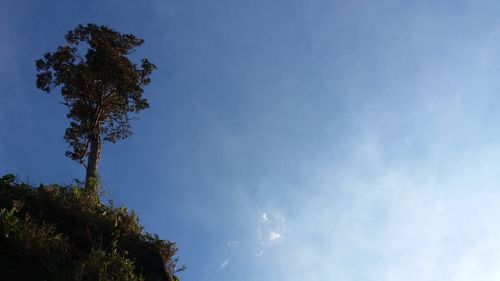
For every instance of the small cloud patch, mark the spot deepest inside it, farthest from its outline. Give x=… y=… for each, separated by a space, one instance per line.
x=273 y=236
x=270 y=228
x=224 y=264
x=264 y=217
x=258 y=253
x=233 y=244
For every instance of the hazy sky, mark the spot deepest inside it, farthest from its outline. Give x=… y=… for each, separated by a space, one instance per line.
x=288 y=140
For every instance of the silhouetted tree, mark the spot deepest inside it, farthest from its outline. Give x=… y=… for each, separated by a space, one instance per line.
x=100 y=86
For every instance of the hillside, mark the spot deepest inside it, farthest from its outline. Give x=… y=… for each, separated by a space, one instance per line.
x=54 y=232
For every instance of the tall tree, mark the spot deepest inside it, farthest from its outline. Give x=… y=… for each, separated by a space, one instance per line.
x=100 y=85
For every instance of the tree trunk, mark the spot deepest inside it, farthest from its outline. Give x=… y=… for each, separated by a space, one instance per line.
x=91 y=178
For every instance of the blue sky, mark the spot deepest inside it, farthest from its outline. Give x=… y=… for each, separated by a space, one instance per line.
x=288 y=140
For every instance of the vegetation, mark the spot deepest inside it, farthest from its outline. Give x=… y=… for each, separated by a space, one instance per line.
x=63 y=233
x=100 y=86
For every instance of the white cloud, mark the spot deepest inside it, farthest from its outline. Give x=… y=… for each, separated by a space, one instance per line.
x=273 y=236
x=270 y=229
x=224 y=264
x=264 y=217
x=233 y=244
x=258 y=253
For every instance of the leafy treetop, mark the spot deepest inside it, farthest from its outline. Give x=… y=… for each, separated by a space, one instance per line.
x=100 y=86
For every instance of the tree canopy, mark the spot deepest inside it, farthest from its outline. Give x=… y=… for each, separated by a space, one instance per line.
x=100 y=85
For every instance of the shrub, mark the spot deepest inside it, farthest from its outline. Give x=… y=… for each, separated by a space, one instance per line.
x=61 y=233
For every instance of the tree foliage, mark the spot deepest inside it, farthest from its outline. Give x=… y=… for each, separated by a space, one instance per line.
x=100 y=85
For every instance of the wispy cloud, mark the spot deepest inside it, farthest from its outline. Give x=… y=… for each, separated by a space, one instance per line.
x=233 y=244
x=224 y=265
x=273 y=236
x=258 y=253
x=264 y=217
x=270 y=228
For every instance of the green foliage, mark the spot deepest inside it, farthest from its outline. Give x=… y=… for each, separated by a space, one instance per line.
x=102 y=265
x=64 y=233
x=99 y=83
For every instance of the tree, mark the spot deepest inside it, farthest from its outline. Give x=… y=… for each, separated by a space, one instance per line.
x=100 y=85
